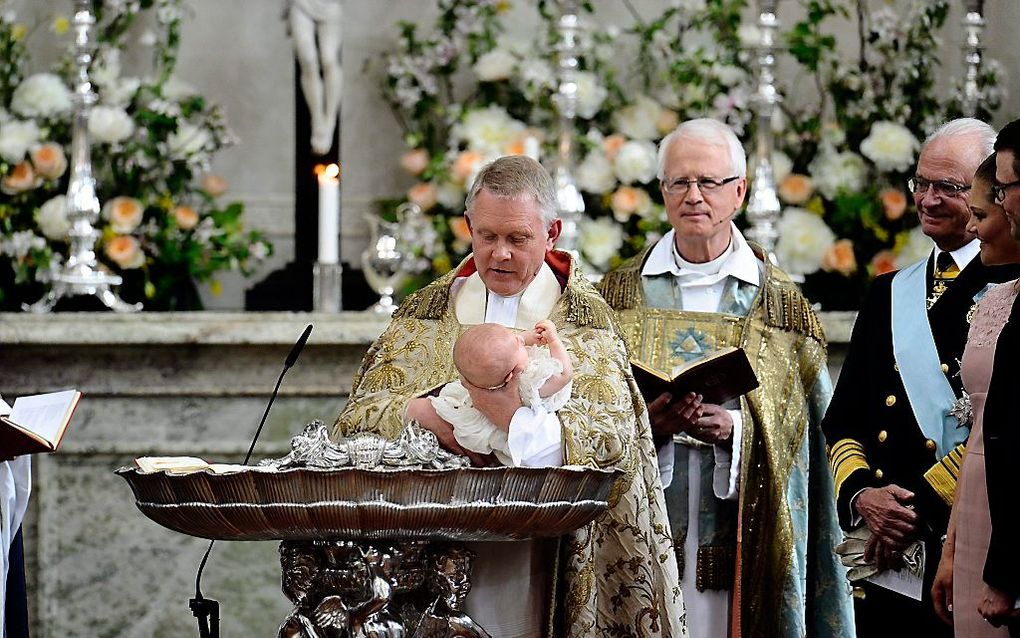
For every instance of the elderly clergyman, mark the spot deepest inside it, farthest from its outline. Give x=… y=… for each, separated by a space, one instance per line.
x=895 y=442
x=617 y=573
x=750 y=500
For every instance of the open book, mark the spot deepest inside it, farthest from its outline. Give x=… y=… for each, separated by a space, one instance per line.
x=36 y=423
x=718 y=377
x=183 y=465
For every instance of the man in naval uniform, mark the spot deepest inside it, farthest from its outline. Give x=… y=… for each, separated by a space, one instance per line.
x=750 y=498
x=617 y=573
x=891 y=419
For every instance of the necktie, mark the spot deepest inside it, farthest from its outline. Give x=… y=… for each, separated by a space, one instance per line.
x=946 y=271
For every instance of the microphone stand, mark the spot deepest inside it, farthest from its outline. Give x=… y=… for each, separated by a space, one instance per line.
x=207 y=610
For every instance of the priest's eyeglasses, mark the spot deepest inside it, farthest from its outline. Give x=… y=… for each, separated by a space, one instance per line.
x=941 y=187
x=999 y=190
x=680 y=186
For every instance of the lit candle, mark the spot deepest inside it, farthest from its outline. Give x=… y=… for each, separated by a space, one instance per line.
x=329 y=213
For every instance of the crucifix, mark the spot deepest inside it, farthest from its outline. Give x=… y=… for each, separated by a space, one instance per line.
x=315 y=27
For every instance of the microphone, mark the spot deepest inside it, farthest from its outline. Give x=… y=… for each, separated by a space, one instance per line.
x=207 y=610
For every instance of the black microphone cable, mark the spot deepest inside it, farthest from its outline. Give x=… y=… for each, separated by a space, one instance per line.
x=207 y=610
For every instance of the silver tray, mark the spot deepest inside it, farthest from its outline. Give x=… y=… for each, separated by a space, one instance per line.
x=464 y=504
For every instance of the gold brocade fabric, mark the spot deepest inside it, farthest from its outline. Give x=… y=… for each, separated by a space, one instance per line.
x=784 y=342
x=619 y=572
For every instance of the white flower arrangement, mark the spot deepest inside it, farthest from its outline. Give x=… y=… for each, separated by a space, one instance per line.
x=804 y=239
x=891 y=147
x=152 y=140
x=842 y=160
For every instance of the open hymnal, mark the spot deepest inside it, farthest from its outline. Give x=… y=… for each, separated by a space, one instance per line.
x=723 y=375
x=37 y=423
x=183 y=465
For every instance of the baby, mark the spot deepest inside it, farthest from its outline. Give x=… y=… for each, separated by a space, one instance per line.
x=487 y=356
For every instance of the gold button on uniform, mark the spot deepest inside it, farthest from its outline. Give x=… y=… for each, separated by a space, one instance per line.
x=878 y=473
x=890 y=400
x=882 y=436
x=945 y=368
x=895 y=367
x=930 y=445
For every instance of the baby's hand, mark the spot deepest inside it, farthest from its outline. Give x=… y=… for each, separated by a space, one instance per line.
x=546 y=331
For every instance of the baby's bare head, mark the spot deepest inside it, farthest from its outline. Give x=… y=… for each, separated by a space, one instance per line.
x=486 y=354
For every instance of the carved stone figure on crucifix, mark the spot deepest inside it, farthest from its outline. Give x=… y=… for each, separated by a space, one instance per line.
x=316 y=28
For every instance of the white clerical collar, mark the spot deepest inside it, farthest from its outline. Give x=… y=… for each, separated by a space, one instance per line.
x=474 y=304
x=738 y=260
x=964 y=254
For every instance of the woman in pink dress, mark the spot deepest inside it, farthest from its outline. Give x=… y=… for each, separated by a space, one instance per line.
x=958 y=584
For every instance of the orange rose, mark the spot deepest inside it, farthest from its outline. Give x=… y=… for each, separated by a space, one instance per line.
x=415 y=162
x=515 y=147
x=124 y=214
x=796 y=189
x=840 y=257
x=894 y=202
x=185 y=216
x=612 y=145
x=125 y=251
x=423 y=194
x=213 y=185
x=49 y=160
x=628 y=200
x=667 y=121
x=884 y=261
x=21 y=179
x=459 y=227
x=466 y=164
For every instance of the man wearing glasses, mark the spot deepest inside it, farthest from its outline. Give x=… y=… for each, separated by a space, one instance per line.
x=740 y=513
x=1001 y=574
x=895 y=442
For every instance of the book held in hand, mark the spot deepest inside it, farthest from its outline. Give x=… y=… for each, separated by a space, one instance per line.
x=36 y=423
x=718 y=377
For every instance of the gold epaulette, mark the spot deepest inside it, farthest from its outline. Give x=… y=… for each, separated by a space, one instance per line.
x=846 y=457
x=621 y=288
x=943 y=475
x=787 y=309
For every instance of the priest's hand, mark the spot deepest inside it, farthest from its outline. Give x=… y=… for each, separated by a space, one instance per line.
x=715 y=426
x=422 y=411
x=499 y=405
x=667 y=419
x=887 y=514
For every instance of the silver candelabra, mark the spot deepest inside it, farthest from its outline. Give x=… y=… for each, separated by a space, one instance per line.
x=974 y=25
x=763 y=204
x=79 y=275
x=571 y=204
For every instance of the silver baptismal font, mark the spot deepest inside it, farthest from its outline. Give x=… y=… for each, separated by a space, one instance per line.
x=372 y=529
x=80 y=274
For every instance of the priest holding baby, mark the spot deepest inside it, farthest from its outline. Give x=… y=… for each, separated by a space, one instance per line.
x=618 y=572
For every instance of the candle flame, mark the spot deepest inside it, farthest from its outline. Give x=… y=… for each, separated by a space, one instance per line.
x=328 y=171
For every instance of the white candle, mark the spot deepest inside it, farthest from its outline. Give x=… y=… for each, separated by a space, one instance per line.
x=329 y=214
